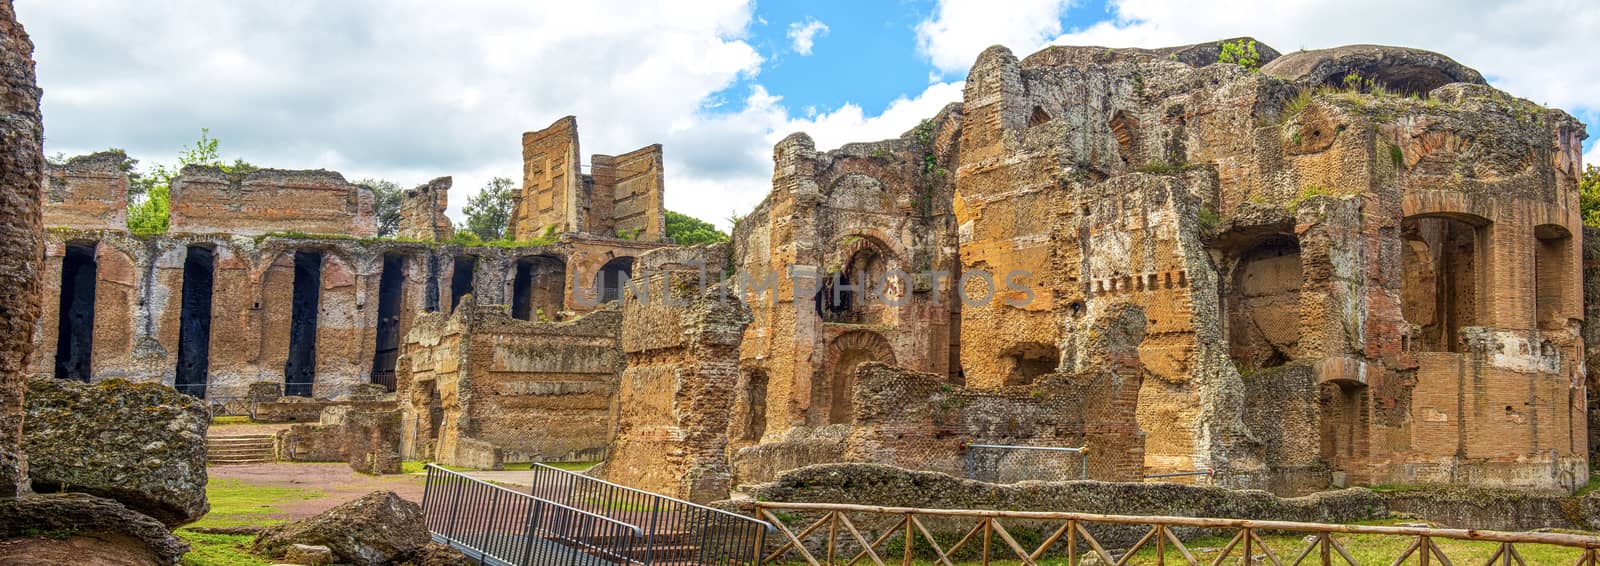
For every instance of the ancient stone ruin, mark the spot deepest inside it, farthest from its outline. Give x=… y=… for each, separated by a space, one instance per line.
x=1351 y=266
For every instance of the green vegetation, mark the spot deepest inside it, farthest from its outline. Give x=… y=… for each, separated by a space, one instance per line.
x=385 y=204
x=1589 y=196
x=149 y=199
x=688 y=230
x=1208 y=218
x=206 y=549
x=235 y=503
x=489 y=211
x=1241 y=52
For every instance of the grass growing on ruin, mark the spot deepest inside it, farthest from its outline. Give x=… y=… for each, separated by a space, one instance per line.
x=232 y=420
x=418 y=466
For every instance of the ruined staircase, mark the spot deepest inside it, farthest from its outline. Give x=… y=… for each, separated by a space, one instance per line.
x=241 y=449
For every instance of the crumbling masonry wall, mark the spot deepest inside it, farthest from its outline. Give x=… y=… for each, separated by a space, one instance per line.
x=22 y=177
x=673 y=405
x=210 y=200
x=484 y=389
x=620 y=197
x=422 y=214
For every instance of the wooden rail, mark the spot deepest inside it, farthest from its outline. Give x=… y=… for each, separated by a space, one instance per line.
x=1322 y=547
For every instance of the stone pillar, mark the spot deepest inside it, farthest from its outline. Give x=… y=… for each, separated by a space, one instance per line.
x=21 y=237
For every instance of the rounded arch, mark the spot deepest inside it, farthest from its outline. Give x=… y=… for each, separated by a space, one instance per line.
x=845 y=353
x=611 y=277
x=1443 y=266
x=862 y=262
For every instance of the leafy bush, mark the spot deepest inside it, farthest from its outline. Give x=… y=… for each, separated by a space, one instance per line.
x=1241 y=52
x=688 y=230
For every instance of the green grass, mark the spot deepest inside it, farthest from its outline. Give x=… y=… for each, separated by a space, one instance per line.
x=236 y=503
x=218 y=550
x=1594 y=483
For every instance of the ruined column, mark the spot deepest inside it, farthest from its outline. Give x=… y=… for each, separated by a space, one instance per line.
x=21 y=237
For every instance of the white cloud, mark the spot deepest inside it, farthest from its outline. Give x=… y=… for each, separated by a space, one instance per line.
x=850 y=124
x=1536 y=49
x=804 y=34
x=405 y=91
x=961 y=29
x=1592 y=157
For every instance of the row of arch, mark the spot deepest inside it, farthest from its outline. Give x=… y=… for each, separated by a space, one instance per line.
x=538 y=286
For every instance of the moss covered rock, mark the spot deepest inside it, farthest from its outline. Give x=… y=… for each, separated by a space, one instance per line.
x=141 y=444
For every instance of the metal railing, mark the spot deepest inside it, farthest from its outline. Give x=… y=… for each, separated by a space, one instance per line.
x=834 y=538
x=1002 y=459
x=675 y=531
x=384 y=378
x=495 y=525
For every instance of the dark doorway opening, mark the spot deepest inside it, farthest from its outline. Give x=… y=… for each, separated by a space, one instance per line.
x=613 y=276
x=389 y=297
x=194 y=327
x=299 y=373
x=430 y=299
x=75 y=329
x=536 y=292
x=461 y=279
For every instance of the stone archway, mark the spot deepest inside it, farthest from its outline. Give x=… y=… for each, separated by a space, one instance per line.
x=845 y=353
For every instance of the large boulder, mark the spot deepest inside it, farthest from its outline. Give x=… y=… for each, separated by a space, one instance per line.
x=379 y=528
x=141 y=444
x=75 y=528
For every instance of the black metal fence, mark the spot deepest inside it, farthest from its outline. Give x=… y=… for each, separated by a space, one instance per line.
x=495 y=525
x=384 y=378
x=675 y=531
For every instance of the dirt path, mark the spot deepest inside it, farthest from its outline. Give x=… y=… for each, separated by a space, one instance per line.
x=336 y=481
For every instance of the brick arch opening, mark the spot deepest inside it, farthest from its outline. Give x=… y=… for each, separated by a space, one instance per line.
x=845 y=353
x=1263 y=304
x=1553 y=275
x=855 y=293
x=1442 y=265
x=386 y=350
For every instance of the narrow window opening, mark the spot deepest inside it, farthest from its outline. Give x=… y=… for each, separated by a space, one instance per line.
x=390 y=286
x=299 y=373
x=461 y=279
x=756 y=393
x=430 y=299
x=194 y=329
x=75 y=336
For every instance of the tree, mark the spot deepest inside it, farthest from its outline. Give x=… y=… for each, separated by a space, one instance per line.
x=489 y=211
x=1589 y=196
x=688 y=230
x=148 y=215
x=385 y=204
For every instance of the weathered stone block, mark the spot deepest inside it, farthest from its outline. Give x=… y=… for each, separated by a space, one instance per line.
x=140 y=444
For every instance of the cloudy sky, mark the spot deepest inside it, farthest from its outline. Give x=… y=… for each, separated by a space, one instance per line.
x=408 y=90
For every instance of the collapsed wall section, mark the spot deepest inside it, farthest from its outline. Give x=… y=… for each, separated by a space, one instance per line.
x=484 y=389
x=210 y=200
x=88 y=192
